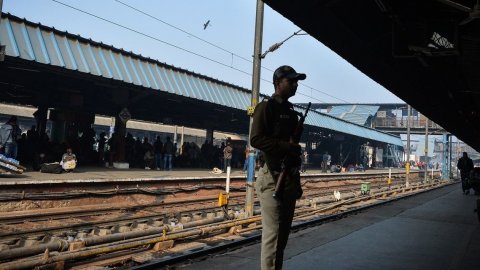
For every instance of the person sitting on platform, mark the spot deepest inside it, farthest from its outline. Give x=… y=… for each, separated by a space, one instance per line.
x=335 y=168
x=69 y=160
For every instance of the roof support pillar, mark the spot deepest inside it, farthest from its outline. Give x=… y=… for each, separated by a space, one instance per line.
x=41 y=118
x=2 y=47
x=257 y=50
x=119 y=138
x=122 y=115
x=407 y=164
x=445 y=157
x=209 y=135
x=57 y=134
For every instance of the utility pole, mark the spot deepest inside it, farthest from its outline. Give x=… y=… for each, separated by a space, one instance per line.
x=407 y=165
x=445 y=158
x=425 y=178
x=2 y=47
x=450 y=171
x=257 y=50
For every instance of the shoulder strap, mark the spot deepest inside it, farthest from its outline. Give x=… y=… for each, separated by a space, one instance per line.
x=9 y=135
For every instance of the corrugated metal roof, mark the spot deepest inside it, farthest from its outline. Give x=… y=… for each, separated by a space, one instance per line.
x=354 y=113
x=318 y=119
x=35 y=42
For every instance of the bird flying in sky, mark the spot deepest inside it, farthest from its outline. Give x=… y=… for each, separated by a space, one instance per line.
x=205 y=25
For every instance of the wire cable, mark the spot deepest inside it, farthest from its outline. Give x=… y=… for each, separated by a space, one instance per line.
x=225 y=50
x=151 y=37
x=183 y=49
x=181 y=30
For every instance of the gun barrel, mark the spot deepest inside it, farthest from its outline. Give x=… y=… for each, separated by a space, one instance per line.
x=279 y=187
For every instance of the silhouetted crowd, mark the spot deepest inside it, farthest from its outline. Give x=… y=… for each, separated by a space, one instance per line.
x=34 y=149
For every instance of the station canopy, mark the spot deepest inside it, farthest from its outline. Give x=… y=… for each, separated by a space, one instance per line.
x=44 y=66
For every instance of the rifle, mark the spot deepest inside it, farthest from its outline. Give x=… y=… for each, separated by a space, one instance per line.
x=287 y=171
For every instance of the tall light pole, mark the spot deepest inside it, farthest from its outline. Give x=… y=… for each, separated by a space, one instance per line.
x=257 y=50
x=425 y=177
x=2 y=47
x=445 y=156
x=407 y=165
x=450 y=171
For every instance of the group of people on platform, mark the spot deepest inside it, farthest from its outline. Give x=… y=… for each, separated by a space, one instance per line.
x=90 y=149
x=33 y=148
x=141 y=153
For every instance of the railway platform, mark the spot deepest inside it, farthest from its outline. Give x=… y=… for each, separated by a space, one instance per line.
x=433 y=230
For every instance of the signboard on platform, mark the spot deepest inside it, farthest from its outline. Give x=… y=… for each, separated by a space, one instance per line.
x=381 y=114
x=438 y=146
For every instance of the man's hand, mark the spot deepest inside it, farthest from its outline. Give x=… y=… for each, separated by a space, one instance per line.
x=294 y=150
x=292 y=162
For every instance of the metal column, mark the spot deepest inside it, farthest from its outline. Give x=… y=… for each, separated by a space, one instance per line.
x=407 y=164
x=445 y=158
x=182 y=140
x=2 y=47
x=425 y=177
x=450 y=171
x=257 y=50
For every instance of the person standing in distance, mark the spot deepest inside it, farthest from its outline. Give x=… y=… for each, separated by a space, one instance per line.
x=465 y=165
x=274 y=122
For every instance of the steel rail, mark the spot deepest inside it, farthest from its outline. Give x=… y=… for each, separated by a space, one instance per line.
x=126 y=244
x=95 y=224
x=62 y=245
x=113 y=222
x=148 y=240
x=171 y=189
x=208 y=251
x=308 y=201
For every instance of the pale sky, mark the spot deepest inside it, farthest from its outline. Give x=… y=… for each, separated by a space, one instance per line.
x=232 y=26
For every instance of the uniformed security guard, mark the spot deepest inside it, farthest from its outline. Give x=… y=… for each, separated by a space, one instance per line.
x=274 y=122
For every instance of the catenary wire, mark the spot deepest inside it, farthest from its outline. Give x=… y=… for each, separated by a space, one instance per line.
x=151 y=37
x=178 y=47
x=220 y=48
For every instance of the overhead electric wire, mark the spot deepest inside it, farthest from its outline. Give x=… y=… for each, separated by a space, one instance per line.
x=218 y=47
x=324 y=93
x=183 y=49
x=149 y=36
x=180 y=29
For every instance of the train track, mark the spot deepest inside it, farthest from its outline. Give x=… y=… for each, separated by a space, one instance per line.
x=303 y=220
x=115 y=237
x=71 y=219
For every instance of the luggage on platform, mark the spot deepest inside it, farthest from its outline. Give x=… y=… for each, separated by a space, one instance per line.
x=51 y=168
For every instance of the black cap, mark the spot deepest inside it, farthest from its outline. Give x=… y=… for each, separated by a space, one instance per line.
x=287 y=72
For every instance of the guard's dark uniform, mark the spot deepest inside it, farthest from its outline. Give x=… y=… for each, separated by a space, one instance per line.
x=274 y=121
